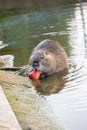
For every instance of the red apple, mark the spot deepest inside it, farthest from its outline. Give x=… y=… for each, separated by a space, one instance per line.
x=34 y=74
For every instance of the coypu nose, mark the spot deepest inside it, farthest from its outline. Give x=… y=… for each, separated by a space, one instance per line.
x=35 y=64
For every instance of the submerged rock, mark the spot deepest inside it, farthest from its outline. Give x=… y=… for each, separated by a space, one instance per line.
x=2 y=45
x=6 y=61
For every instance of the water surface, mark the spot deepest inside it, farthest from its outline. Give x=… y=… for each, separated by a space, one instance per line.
x=67 y=24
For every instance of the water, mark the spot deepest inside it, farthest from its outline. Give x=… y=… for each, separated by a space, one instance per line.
x=67 y=95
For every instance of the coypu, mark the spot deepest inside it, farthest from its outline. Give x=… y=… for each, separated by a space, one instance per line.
x=48 y=57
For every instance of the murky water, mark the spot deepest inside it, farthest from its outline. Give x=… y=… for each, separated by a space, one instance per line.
x=67 y=24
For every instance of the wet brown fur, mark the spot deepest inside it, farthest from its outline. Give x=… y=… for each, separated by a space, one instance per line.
x=51 y=57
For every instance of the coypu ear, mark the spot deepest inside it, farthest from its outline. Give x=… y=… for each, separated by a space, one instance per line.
x=42 y=57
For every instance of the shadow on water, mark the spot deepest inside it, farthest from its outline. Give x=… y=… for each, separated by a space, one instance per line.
x=31 y=4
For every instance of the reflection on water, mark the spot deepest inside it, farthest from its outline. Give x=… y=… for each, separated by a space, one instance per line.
x=71 y=103
x=50 y=85
x=66 y=94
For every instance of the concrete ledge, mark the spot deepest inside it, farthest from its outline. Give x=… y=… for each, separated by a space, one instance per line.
x=8 y=120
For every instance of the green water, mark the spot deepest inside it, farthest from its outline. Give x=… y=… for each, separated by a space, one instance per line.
x=23 y=29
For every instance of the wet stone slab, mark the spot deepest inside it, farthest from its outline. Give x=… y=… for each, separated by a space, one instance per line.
x=32 y=110
x=8 y=120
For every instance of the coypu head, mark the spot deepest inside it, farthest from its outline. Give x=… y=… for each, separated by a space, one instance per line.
x=43 y=61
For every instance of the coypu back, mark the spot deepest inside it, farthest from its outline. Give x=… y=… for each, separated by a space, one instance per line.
x=50 y=46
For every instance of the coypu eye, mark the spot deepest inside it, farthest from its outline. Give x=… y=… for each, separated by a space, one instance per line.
x=42 y=57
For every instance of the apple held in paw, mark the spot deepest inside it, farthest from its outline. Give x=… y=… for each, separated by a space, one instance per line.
x=34 y=74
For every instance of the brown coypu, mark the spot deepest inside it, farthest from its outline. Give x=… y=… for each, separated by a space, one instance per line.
x=48 y=57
